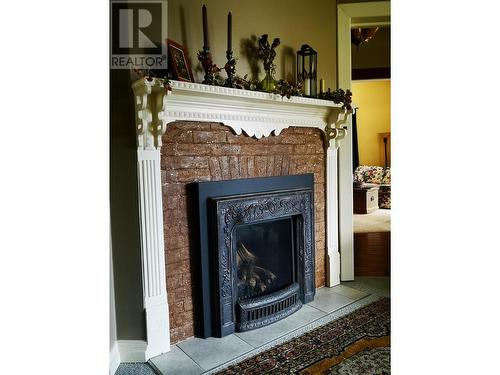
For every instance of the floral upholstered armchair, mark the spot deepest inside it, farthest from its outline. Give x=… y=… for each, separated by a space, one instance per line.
x=379 y=176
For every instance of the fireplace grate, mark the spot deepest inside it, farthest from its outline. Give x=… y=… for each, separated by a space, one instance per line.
x=271 y=309
x=253 y=313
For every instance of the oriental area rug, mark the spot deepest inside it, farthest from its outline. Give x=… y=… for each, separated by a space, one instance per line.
x=355 y=344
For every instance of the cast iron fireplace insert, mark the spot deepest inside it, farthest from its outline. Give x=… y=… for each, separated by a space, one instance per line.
x=256 y=251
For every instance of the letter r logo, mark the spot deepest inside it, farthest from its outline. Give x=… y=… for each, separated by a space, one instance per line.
x=136 y=27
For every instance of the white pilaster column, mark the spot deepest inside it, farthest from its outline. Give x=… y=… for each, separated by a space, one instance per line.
x=333 y=255
x=345 y=177
x=150 y=127
x=334 y=132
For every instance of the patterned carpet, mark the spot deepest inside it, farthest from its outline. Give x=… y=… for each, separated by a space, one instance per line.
x=135 y=369
x=356 y=344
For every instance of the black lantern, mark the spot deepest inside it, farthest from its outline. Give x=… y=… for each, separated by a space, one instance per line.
x=307 y=68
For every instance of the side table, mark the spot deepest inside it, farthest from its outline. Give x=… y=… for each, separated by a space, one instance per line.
x=365 y=199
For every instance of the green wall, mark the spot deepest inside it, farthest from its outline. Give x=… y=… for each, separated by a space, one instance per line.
x=295 y=22
x=130 y=320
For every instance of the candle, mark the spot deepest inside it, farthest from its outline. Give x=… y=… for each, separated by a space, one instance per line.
x=307 y=87
x=205 y=27
x=229 y=31
x=322 y=86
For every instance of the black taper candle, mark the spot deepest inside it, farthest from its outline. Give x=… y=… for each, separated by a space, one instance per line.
x=229 y=31
x=205 y=27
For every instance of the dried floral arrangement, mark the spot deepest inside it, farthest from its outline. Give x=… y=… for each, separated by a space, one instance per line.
x=267 y=52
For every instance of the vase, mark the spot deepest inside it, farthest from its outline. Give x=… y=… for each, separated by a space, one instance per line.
x=268 y=84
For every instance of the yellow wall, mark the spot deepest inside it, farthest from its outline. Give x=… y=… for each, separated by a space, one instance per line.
x=374 y=116
x=295 y=22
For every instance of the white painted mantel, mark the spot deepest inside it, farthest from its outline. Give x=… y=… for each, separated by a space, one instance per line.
x=253 y=113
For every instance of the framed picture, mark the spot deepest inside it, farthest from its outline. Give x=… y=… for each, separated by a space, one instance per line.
x=178 y=62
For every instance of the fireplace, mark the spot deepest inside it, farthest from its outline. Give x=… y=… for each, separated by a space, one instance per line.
x=256 y=251
x=215 y=133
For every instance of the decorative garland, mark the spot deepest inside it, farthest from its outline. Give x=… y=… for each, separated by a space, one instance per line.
x=338 y=96
x=150 y=75
x=288 y=89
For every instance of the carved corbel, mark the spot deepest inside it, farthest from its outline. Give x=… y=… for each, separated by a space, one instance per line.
x=161 y=127
x=335 y=129
x=143 y=113
x=148 y=97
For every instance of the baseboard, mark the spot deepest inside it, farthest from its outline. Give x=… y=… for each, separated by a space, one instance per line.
x=114 y=359
x=132 y=350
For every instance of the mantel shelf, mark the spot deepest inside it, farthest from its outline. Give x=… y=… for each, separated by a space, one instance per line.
x=199 y=89
x=255 y=113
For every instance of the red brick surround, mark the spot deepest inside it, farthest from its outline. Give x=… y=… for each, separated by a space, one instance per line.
x=195 y=151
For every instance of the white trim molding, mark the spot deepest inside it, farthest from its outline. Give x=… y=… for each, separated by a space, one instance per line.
x=256 y=114
x=132 y=351
x=114 y=359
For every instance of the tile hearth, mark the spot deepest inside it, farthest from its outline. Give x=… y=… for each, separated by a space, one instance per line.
x=205 y=356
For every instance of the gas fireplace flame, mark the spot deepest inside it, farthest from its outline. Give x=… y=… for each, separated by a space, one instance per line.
x=252 y=279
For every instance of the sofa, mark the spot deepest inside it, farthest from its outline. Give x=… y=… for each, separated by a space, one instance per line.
x=367 y=175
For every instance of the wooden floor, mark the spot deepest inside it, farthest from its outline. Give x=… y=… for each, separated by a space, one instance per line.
x=372 y=254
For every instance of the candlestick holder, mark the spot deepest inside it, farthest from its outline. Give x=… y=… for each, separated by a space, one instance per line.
x=230 y=69
x=208 y=66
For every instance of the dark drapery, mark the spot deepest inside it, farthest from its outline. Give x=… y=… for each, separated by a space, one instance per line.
x=355 y=150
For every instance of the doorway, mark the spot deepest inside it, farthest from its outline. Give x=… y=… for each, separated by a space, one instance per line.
x=351 y=15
